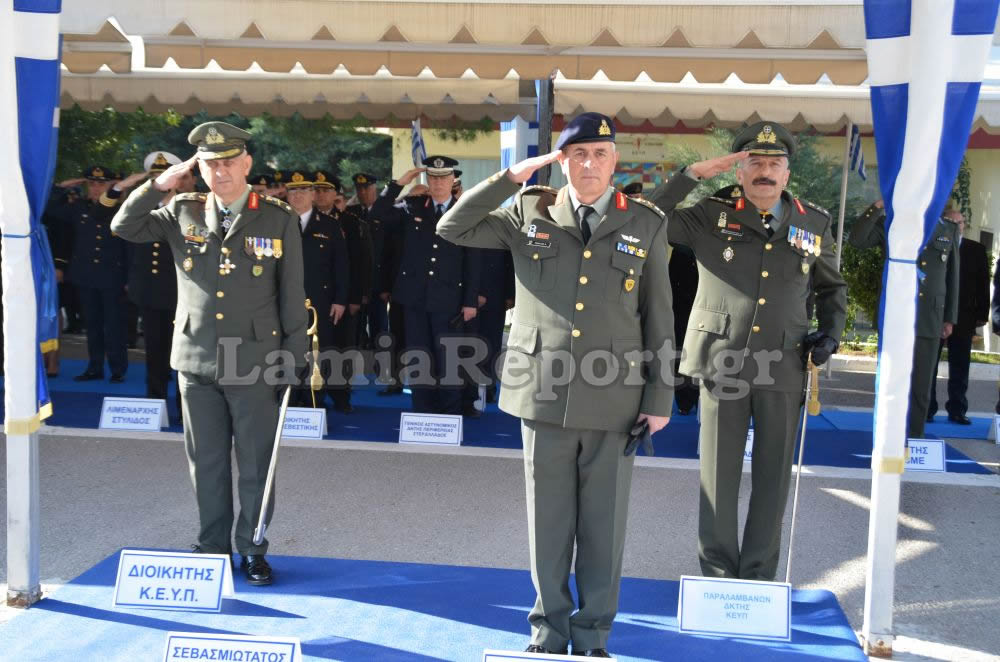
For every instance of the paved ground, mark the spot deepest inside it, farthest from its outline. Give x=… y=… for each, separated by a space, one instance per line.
x=369 y=501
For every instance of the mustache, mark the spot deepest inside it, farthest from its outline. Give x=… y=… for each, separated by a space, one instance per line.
x=764 y=180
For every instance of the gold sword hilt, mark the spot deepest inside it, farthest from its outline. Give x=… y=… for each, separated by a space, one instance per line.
x=315 y=379
x=814 y=407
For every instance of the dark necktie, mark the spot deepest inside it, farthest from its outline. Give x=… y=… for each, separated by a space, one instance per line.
x=440 y=210
x=585 y=213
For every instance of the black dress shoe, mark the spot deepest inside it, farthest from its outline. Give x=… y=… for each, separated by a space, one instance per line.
x=592 y=652
x=88 y=377
x=391 y=390
x=961 y=419
x=535 y=648
x=117 y=379
x=256 y=569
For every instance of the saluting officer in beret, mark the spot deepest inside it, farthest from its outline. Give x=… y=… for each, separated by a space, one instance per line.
x=591 y=283
x=937 y=302
x=757 y=248
x=238 y=260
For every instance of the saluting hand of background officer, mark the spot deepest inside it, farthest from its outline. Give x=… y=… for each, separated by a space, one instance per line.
x=711 y=167
x=410 y=175
x=131 y=180
x=170 y=177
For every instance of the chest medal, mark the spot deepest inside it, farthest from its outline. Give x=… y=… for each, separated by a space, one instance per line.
x=188 y=264
x=629 y=284
x=728 y=254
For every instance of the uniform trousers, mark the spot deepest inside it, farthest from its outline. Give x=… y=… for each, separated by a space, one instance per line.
x=158 y=330
x=104 y=314
x=925 y=357
x=424 y=331
x=344 y=338
x=959 y=358
x=577 y=485
x=724 y=425
x=217 y=421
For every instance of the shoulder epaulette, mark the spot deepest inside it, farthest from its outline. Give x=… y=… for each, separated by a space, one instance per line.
x=729 y=202
x=539 y=188
x=813 y=205
x=191 y=197
x=278 y=203
x=646 y=203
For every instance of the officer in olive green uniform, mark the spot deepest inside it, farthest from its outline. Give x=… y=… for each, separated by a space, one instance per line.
x=747 y=337
x=240 y=298
x=937 y=302
x=597 y=292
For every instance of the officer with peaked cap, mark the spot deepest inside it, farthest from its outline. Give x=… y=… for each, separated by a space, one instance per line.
x=591 y=281
x=760 y=251
x=152 y=284
x=96 y=266
x=262 y=183
x=240 y=310
x=325 y=259
x=437 y=282
x=633 y=190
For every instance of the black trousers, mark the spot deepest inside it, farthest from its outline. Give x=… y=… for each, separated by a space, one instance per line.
x=104 y=312
x=959 y=357
x=424 y=331
x=158 y=326
x=345 y=338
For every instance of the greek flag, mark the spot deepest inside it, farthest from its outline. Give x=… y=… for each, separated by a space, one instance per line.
x=925 y=63
x=30 y=48
x=417 y=148
x=857 y=158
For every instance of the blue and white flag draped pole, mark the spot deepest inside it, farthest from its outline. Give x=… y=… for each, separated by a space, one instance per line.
x=518 y=141
x=925 y=62
x=29 y=97
x=856 y=154
x=417 y=148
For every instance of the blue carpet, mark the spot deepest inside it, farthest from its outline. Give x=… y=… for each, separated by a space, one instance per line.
x=835 y=438
x=373 y=610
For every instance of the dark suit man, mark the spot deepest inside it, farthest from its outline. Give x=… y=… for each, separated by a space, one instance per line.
x=684 y=284
x=760 y=251
x=937 y=305
x=973 y=312
x=437 y=283
x=326 y=266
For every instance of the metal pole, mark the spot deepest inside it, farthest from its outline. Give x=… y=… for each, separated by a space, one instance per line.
x=258 y=534
x=812 y=378
x=843 y=192
x=546 y=99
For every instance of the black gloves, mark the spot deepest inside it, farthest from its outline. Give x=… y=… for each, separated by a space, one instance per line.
x=639 y=435
x=821 y=345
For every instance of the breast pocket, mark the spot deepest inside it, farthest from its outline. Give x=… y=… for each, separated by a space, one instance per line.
x=624 y=278
x=537 y=268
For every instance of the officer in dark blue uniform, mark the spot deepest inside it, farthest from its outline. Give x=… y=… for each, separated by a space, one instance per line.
x=152 y=283
x=376 y=319
x=325 y=260
x=261 y=183
x=98 y=267
x=437 y=283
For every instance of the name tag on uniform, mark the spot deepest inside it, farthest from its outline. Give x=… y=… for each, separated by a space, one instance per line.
x=540 y=243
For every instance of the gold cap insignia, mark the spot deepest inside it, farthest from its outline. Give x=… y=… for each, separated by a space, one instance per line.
x=97 y=172
x=160 y=160
x=767 y=135
x=297 y=177
x=604 y=130
x=736 y=193
x=438 y=163
x=320 y=177
x=361 y=179
x=213 y=137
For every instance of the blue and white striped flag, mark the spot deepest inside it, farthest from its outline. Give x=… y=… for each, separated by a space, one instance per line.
x=925 y=63
x=857 y=157
x=417 y=149
x=29 y=88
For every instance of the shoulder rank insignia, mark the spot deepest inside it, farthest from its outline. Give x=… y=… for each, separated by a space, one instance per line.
x=278 y=203
x=649 y=205
x=191 y=197
x=539 y=188
x=813 y=205
x=726 y=201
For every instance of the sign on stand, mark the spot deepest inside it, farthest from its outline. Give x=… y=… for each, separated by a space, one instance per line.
x=925 y=455
x=738 y=608
x=304 y=423
x=441 y=429
x=133 y=414
x=176 y=581
x=188 y=646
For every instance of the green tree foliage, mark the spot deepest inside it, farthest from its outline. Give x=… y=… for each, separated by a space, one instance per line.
x=816 y=178
x=960 y=194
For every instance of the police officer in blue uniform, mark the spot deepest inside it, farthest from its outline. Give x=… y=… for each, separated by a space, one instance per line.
x=98 y=268
x=437 y=283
